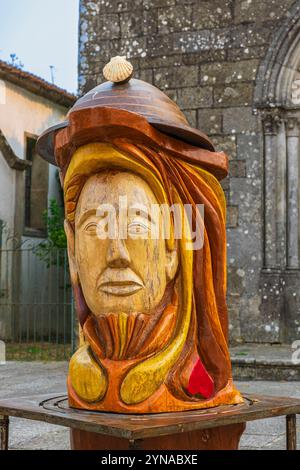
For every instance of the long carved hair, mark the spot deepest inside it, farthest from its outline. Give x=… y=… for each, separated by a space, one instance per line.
x=202 y=330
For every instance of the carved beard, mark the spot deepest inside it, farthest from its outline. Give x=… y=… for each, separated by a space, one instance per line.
x=124 y=336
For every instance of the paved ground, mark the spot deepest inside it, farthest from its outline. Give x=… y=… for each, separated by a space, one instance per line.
x=19 y=379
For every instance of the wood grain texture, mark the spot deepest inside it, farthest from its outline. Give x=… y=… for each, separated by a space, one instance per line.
x=142 y=352
x=4 y=432
x=291 y=432
x=139 y=99
x=54 y=409
x=157 y=379
x=223 y=438
x=144 y=99
x=109 y=125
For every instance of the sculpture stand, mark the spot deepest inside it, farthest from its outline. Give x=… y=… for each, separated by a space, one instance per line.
x=199 y=429
x=220 y=438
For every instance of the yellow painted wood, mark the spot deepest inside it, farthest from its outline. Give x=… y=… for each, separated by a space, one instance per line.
x=87 y=377
x=123 y=331
x=145 y=378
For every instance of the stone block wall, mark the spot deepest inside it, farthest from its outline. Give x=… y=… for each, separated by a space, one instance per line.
x=205 y=54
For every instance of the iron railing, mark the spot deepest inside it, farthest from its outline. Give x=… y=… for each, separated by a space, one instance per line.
x=36 y=305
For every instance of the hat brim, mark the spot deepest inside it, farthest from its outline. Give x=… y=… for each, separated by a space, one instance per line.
x=189 y=135
x=45 y=143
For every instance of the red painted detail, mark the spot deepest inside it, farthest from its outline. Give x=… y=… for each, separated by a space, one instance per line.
x=200 y=381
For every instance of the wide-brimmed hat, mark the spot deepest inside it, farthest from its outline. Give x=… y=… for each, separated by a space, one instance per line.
x=138 y=98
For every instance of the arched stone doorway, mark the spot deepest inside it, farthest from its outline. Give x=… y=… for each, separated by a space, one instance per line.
x=277 y=100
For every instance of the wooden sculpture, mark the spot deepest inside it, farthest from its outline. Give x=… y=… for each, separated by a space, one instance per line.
x=152 y=311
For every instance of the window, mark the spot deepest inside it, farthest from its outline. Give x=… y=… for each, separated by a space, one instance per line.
x=36 y=191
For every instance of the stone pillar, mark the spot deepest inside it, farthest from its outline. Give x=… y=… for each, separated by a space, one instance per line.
x=281 y=194
x=292 y=193
x=270 y=125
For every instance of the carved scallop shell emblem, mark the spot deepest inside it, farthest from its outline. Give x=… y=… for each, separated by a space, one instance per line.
x=118 y=70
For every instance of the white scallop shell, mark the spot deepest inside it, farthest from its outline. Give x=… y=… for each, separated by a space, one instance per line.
x=118 y=70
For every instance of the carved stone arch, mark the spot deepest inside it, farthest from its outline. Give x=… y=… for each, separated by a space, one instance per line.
x=277 y=71
x=277 y=100
x=274 y=97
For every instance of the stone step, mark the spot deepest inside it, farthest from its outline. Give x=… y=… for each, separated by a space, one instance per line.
x=254 y=361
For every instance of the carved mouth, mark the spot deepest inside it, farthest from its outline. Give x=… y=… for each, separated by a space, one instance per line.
x=120 y=287
x=119 y=282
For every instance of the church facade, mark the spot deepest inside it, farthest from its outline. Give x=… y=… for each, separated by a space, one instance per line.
x=233 y=67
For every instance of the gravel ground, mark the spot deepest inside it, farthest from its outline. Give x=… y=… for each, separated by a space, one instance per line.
x=20 y=379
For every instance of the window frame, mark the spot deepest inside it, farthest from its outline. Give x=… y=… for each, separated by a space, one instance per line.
x=30 y=231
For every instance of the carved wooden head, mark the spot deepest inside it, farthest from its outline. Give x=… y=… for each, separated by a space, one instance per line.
x=152 y=309
x=137 y=288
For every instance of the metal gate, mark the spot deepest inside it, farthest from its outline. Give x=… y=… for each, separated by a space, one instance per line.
x=36 y=305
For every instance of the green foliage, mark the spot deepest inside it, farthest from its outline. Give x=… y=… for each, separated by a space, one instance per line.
x=52 y=250
x=54 y=221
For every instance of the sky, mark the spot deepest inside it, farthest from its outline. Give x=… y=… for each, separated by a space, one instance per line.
x=42 y=33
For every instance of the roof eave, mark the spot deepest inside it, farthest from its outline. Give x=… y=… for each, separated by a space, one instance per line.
x=36 y=85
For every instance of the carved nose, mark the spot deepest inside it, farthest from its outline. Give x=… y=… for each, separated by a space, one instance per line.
x=117 y=254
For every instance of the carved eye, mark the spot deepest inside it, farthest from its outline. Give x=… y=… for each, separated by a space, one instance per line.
x=90 y=228
x=138 y=228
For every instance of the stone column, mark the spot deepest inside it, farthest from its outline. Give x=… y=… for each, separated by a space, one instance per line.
x=270 y=125
x=292 y=193
x=281 y=194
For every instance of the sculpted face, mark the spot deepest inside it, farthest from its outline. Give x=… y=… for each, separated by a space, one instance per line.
x=141 y=336
x=120 y=274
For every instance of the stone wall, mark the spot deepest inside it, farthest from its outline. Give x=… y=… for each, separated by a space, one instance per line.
x=206 y=56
